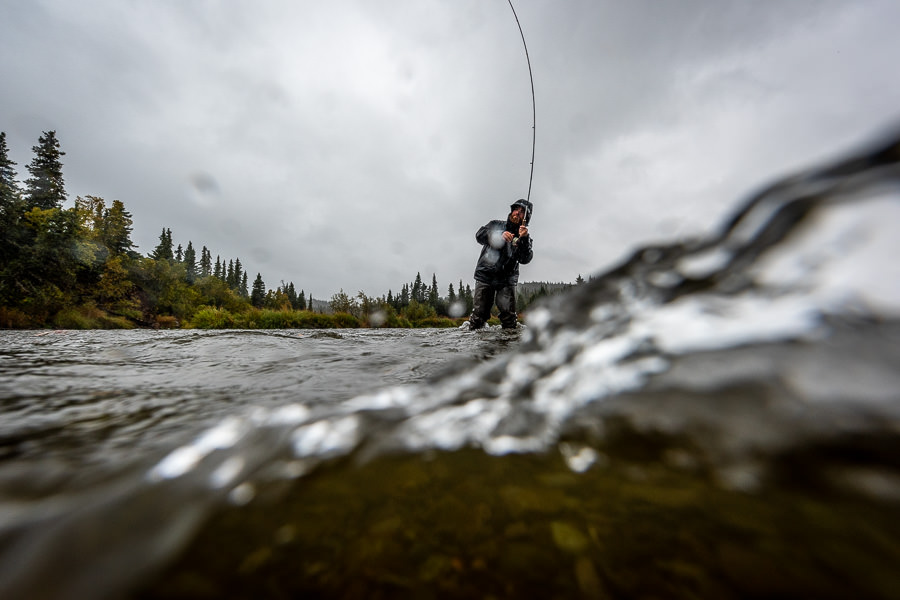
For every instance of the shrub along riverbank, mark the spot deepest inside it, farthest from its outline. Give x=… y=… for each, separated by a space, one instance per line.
x=220 y=318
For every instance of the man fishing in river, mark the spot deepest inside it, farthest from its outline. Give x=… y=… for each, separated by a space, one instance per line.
x=503 y=246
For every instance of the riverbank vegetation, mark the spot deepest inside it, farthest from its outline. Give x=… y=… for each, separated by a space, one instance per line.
x=77 y=268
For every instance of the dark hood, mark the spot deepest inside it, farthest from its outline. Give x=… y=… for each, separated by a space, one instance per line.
x=528 y=206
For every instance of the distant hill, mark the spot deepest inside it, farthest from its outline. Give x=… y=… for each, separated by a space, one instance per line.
x=532 y=287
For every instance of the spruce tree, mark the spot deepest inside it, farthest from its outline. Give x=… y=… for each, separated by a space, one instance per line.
x=10 y=193
x=238 y=272
x=301 y=300
x=15 y=238
x=45 y=188
x=190 y=263
x=116 y=229
x=291 y=293
x=163 y=250
x=205 y=262
x=433 y=294
x=229 y=275
x=404 y=296
x=418 y=289
x=258 y=295
x=243 y=291
x=218 y=272
x=179 y=254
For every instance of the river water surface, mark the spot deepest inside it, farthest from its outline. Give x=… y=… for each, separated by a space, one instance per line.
x=101 y=397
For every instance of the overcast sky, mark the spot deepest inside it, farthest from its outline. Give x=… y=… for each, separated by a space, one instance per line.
x=350 y=144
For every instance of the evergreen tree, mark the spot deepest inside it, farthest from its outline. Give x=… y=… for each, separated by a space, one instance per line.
x=190 y=263
x=14 y=235
x=244 y=292
x=258 y=295
x=205 y=262
x=301 y=300
x=433 y=294
x=10 y=194
x=418 y=289
x=218 y=272
x=45 y=188
x=404 y=296
x=390 y=298
x=179 y=254
x=579 y=280
x=291 y=293
x=163 y=250
x=116 y=229
x=238 y=272
x=451 y=295
x=229 y=276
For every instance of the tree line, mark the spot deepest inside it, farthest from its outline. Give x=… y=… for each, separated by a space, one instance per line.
x=78 y=268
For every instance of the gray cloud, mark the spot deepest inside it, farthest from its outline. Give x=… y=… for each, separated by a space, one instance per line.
x=350 y=145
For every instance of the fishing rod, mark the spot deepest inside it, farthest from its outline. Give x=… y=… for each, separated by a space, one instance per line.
x=533 y=108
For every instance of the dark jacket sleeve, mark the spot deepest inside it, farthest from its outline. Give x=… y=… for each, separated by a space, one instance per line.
x=524 y=254
x=481 y=236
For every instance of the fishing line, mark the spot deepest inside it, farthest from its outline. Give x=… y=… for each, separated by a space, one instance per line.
x=533 y=108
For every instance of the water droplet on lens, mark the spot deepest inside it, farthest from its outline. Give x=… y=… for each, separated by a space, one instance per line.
x=457 y=309
x=377 y=318
x=242 y=494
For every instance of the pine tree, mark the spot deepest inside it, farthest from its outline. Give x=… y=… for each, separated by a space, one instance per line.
x=291 y=294
x=218 y=272
x=229 y=275
x=451 y=295
x=418 y=289
x=238 y=272
x=301 y=300
x=46 y=188
x=190 y=263
x=433 y=294
x=14 y=237
x=163 y=250
x=179 y=254
x=258 y=295
x=404 y=295
x=205 y=262
x=243 y=291
x=10 y=193
x=116 y=229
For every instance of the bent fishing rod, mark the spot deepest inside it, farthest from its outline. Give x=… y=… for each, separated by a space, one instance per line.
x=533 y=109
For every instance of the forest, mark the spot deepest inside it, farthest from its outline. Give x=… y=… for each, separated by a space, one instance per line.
x=77 y=268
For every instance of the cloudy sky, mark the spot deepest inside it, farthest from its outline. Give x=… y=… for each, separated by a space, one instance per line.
x=351 y=144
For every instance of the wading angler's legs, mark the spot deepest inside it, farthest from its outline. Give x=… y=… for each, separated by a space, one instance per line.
x=483 y=300
x=506 y=304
